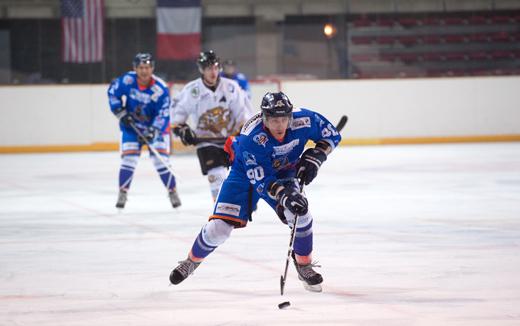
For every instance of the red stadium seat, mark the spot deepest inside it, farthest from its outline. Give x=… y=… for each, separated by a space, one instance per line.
x=431 y=21
x=431 y=39
x=500 y=37
x=500 y=19
x=409 y=22
x=385 y=39
x=480 y=37
x=477 y=20
x=360 y=40
x=364 y=57
x=478 y=56
x=388 y=56
x=454 y=38
x=455 y=56
x=432 y=57
x=408 y=40
x=454 y=21
x=362 y=22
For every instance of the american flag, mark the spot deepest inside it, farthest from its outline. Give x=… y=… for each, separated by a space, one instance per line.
x=82 y=30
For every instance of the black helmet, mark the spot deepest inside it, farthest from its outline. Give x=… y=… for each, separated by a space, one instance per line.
x=207 y=59
x=276 y=105
x=145 y=58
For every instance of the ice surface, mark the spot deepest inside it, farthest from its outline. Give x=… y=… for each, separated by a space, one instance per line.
x=406 y=235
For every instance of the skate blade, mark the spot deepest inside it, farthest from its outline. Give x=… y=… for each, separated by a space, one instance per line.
x=312 y=288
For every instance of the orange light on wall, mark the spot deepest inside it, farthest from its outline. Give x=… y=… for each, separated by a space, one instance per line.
x=329 y=30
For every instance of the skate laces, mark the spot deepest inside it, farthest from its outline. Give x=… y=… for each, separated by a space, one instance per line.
x=307 y=270
x=186 y=267
x=122 y=196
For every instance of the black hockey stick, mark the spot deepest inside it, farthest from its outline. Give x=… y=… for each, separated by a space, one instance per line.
x=214 y=140
x=283 y=278
x=222 y=140
x=341 y=123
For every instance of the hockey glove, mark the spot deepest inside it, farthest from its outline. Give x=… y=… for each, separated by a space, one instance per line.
x=149 y=134
x=185 y=133
x=309 y=164
x=288 y=195
x=125 y=117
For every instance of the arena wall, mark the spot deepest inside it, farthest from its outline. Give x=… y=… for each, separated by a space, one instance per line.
x=74 y=118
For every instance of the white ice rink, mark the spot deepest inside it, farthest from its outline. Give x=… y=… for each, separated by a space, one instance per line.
x=406 y=235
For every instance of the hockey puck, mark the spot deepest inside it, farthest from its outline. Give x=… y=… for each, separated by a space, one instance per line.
x=284 y=305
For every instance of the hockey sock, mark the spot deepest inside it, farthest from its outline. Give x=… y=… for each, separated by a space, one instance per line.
x=126 y=172
x=212 y=235
x=303 y=240
x=167 y=178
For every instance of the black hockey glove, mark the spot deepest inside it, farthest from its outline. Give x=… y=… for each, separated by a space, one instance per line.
x=185 y=133
x=309 y=164
x=125 y=117
x=288 y=195
x=149 y=134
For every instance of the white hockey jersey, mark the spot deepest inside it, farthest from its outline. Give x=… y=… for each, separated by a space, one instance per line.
x=218 y=113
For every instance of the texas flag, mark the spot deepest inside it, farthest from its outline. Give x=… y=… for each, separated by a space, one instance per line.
x=178 y=29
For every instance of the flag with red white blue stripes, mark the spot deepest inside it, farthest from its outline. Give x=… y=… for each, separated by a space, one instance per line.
x=82 y=30
x=178 y=29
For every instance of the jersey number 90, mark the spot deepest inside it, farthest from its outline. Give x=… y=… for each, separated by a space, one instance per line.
x=255 y=174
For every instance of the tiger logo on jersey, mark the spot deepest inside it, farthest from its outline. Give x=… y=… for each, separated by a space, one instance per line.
x=215 y=120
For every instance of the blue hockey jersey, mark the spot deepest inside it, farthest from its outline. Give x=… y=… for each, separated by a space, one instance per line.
x=149 y=106
x=261 y=159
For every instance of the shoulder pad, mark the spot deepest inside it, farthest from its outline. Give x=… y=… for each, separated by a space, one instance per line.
x=302 y=122
x=128 y=78
x=250 y=125
x=160 y=81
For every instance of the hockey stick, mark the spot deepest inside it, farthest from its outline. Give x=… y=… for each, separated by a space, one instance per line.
x=341 y=123
x=221 y=140
x=283 y=278
x=152 y=149
x=214 y=140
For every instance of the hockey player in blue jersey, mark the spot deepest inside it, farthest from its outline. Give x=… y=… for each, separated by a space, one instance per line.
x=268 y=163
x=229 y=70
x=140 y=99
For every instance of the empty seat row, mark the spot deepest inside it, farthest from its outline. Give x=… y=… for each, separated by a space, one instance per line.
x=437 y=56
x=499 y=37
x=434 y=20
x=435 y=73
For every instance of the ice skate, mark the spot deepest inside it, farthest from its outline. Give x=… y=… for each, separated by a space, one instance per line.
x=183 y=270
x=174 y=198
x=310 y=278
x=121 y=199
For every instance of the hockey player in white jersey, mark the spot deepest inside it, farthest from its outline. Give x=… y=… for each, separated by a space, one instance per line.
x=218 y=107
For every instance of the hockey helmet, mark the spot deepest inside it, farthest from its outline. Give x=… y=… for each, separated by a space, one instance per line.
x=143 y=58
x=228 y=62
x=276 y=105
x=207 y=59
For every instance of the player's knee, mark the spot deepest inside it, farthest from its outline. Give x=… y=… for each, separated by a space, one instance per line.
x=217 y=175
x=216 y=232
x=130 y=161
x=157 y=162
